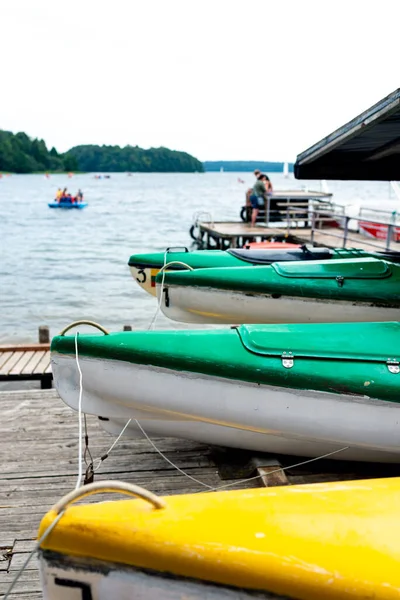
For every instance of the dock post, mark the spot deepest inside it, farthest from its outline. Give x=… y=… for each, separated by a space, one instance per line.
x=46 y=383
x=44 y=334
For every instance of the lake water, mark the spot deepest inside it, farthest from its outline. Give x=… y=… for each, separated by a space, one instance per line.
x=59 y=266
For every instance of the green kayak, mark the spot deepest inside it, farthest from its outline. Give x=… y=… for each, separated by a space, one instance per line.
x=302 y=389
x=363 y=289
x=145 y=267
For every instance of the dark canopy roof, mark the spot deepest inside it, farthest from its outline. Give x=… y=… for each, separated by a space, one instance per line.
x=366 y=148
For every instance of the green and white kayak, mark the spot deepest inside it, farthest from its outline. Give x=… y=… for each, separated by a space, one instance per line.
x=306 y=389
x=364 y=289
x=145 y=267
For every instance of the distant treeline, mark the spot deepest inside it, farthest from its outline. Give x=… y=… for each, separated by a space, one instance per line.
x=22 y=154
x=242 y=166
x=133 y=159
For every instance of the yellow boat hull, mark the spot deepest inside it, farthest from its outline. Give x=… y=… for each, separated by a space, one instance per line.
x=324 y=541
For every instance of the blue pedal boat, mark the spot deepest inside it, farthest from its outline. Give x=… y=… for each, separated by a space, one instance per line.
x=63 y=204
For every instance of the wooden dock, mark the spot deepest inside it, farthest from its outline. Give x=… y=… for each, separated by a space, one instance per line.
x=232 y=234
x=38 y=465
x=28 y=361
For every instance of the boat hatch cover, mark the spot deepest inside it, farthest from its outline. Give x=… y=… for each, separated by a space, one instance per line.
x=366 y=342
x=270 y=256
x=362 y=268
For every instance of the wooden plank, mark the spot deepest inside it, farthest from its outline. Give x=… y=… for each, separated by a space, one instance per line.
x=4 y=356
x=23 y=347
x=272 y=475
x=28 y=582
x=26 y=595
x=43 y=364
x=48 y=370
x=33 y=362
x=11 y=362
x=24 y=545
x=18 y=560
x=19 y=366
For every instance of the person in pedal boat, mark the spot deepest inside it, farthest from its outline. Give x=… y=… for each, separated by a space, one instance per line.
x=62 y=196
x=59 y=194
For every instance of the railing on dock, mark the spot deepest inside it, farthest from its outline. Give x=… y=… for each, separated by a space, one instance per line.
x=319 y=223
x=339 y=226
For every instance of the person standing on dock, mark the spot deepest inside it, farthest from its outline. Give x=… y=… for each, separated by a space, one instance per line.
x=250 y=190
x=258 y=196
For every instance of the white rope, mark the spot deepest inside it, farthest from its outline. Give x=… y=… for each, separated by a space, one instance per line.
x=80 y=463
x=35 y=549
x=80 y=451
x=111 y=447
x=153 y=321
x=170 y=461
x=305 y=462
x=239 y=481
x=163 y=269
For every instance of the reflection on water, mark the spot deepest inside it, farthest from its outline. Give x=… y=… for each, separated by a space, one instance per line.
x=59 y=266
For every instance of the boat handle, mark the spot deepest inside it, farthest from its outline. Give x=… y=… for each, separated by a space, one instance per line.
x=176 y=249
x=108 y=486
x=76 y=323
x=176 y=262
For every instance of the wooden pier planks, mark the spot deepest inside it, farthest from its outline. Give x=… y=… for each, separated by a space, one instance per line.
x=29 y=361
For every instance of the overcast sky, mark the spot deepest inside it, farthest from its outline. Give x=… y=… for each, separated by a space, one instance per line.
x=220 y=79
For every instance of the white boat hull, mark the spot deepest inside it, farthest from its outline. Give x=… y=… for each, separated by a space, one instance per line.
x=208 y=305
x=145 y=278
x=233 y=413
x=70 y=578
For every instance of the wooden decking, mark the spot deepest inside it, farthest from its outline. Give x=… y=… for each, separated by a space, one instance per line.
x=38 y=465
x=29 y=361
x=228 y=229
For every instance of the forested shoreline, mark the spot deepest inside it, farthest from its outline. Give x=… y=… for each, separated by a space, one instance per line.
x=114 y=159
x=21 y=154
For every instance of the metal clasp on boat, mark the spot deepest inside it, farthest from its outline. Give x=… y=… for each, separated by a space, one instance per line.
x=340 y=280
x=393 y=365
x=287 y=360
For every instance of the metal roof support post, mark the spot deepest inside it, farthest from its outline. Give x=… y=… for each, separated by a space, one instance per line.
x=312 y=227
x=345 y=231
x=389 y=236
x=288 y=219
